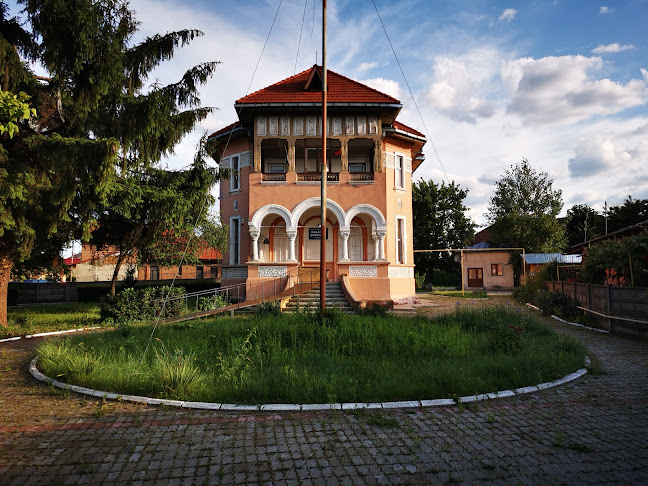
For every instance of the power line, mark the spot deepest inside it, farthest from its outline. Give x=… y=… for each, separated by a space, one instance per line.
x=410 y=92
x=620 y=170
x=301 y=30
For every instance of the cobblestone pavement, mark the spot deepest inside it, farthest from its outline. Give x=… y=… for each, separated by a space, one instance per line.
x=591 y=431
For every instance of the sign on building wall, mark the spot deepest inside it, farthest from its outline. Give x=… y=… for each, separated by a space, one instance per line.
x=316 y=233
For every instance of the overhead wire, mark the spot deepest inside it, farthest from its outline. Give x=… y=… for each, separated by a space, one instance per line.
x=301 y=31
x=436 y=153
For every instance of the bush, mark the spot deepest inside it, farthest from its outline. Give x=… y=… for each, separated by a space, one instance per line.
x=556 y=303
x=376 y=309
x=269 y=309
x=131 y=305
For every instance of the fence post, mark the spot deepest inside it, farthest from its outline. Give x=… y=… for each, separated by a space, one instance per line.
x=608 y=305
x=589 y=296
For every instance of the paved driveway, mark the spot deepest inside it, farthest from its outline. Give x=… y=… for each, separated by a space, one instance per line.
x=591 y=431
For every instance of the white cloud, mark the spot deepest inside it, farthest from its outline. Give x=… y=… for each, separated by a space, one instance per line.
x=612 y=48
x=461 y=85
x=507 y=15
x=596 y=155
x=604 y=10
x=366 y=66
x=560 y=89
x=387 y=86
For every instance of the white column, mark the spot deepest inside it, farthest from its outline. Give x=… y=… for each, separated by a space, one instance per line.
x=374 y=237
x=254 y=234
x=292 y=236
x=381 y=245
x=345 y=245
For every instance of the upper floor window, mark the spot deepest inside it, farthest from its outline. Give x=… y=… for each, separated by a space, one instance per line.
x=399 y=173
x=235 y=177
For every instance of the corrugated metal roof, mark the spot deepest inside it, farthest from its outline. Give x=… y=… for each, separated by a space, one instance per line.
x=542 y=258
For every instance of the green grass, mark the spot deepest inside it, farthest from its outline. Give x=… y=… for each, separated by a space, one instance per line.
x=293 y=359
x=473 y=294
x=46 y=318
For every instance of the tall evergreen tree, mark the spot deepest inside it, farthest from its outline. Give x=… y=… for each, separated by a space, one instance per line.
x=96 y=118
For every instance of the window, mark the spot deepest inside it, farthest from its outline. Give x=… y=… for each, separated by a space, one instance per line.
x=235 y=241
x=356 y=168
x=355 y=244
x=235 y=167
x=213 y=272
x=277 y=168
x=399 y=173
x=497 y=269
x=155 y=273
x=199 y=272
x=400 y=240
x=180 y=271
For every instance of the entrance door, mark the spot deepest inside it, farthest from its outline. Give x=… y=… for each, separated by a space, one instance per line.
x=475 y=277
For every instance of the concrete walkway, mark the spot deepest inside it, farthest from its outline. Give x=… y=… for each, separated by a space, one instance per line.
x=591 y=431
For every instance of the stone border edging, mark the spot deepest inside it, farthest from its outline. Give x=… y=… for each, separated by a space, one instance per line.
x=52 y=333
x=291 y=407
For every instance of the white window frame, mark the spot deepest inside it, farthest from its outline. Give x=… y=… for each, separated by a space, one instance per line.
x=235 y=250
x=401 y=220
x=399 y=171
x=235 y=172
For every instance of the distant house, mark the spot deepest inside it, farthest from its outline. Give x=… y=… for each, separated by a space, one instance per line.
x=486 y=265
x=534 y=262
x=95 y=265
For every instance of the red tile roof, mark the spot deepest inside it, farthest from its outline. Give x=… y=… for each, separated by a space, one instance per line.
x=305 y=88
x=210 y=254
x=226 y=129
x=401 y=126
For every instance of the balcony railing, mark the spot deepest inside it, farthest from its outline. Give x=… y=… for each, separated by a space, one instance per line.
x=361 y=176
x=315 y=177
x=274 y=177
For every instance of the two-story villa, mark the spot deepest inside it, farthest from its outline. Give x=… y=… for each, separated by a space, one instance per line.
x=271 y=196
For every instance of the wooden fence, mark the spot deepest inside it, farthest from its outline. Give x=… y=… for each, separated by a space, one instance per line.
x=623 y=309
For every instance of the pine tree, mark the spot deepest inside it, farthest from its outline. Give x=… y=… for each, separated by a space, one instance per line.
x=96 y=118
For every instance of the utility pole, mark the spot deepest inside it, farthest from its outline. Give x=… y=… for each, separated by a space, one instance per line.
x=605 y=212
x=323 y=177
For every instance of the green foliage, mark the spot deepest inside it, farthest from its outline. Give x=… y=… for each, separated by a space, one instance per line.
x=528 y=291
x=376 y=309
x=12 y=109
x=210 y=303
x=265 y=309
x=523 y=213
x=622 y=261
x=356 y=359
x=631 y=212
x=95 y=119
x=555 y=303
x=583 y=223
x=440 y=222
x=131 y=305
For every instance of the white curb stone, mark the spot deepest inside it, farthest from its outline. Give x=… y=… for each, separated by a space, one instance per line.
x=439 y=402
x=410 y=404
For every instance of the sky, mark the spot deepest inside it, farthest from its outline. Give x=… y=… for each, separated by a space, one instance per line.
x=563 y=83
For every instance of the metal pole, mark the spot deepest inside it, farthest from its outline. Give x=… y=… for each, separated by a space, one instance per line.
x=323 y=182
x=462 y=273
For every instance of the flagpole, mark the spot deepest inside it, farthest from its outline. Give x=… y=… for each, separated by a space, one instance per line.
x=323 y=177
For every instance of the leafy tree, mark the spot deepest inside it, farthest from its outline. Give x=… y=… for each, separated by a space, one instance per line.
x=440 y=222
x=583 y=223
x=631 y=212
x=152 y=207
x=624 y=262
x=96 y=121
x=523 y=212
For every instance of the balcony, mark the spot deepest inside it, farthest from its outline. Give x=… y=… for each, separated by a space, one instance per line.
x=316 y=177
x=274 y=177
x=361 y=177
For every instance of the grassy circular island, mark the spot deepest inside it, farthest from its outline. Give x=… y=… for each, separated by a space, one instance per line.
x=297 y=359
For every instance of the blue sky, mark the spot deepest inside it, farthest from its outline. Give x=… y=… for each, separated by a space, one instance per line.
x=562 y=83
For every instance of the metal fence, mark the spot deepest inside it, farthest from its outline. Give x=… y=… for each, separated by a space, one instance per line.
x=618 y=308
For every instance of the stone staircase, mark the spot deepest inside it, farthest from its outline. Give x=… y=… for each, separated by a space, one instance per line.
x=310 y=300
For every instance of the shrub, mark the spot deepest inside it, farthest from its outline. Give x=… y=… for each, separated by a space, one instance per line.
x=211 y=302
x=131 y=305
x=269 y=309
x=378 y=308
x=556 y=303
